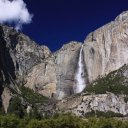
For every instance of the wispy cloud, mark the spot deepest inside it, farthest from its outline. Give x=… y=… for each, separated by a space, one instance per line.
x=14 y=11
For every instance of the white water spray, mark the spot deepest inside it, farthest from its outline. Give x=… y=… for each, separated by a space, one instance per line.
x=80 y=82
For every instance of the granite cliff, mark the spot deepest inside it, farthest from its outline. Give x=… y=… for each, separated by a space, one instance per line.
x=23 y=63
x=105 y=49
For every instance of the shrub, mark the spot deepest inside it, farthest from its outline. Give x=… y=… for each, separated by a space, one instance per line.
x=114 y=82
x=9 y=122
x=31 y=96
x=16 y=107
x=102 y=114
x=61 y=121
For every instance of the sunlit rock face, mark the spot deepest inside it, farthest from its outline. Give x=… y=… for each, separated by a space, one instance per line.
x=55 y=76
x=80 y=105
x=42 y=78
x=106 y=49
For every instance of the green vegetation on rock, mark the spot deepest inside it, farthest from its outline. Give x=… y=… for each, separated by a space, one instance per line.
x=115 y=82
x=16 y=108
x=19 y=102
x=98 y=114
x=31 y=96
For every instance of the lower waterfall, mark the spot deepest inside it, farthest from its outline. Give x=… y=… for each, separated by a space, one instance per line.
x=79 y=77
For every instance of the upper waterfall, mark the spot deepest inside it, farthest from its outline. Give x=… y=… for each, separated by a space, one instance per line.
x=80 y=81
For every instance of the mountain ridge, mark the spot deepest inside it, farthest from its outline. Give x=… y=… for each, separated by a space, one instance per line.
x=23 y=63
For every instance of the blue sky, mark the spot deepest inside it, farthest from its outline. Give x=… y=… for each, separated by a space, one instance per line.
x=56 y=22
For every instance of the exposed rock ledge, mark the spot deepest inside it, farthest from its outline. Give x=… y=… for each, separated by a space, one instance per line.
x=80 y=105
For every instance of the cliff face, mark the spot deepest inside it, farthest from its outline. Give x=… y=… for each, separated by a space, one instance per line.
x=106 y=49
x=24 y=63
x=18 y=54
x=55 y=75
x=107 y=94
x=66 y=64
x=24 y=53
x=42 y=78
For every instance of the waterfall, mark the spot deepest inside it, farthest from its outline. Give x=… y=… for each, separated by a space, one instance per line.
x=79 y=77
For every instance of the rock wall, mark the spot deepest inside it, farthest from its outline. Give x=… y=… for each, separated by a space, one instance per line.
x=42 y=78
x=18 y=54
x=66 y=60
x=54 y=77
x=50 y=74
x=106 y=49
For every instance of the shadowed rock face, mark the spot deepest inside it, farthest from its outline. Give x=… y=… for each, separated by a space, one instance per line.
x=23 y=52
x=6 y=62
x=18 y=54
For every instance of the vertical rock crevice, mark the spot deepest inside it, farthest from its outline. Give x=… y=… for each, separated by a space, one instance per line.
x=7 y=65
x=7 y=69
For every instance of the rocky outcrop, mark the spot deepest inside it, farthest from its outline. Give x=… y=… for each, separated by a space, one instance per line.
x=106 y=94
x=42 y=78
x=6 y=97
x=24 y=63
x=106 y=49
x=18 y=54
x=80 y=105
x=54 y=77
x=66 y=61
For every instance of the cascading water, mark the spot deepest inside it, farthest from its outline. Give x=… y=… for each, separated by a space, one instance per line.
x=80 y=82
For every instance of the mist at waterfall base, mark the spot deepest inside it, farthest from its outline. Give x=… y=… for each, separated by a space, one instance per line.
x=80 y=81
